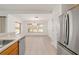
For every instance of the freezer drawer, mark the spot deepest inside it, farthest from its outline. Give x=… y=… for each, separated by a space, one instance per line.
x=62 y=51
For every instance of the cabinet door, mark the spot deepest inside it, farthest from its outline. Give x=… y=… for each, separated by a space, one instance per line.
x=11 y=50
x=22 y=46
x=14 y=52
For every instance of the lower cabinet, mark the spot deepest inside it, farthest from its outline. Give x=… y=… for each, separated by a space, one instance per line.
x=15 y=52
x=12 y=50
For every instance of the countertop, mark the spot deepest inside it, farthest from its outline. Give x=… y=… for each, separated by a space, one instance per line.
x=12 y=36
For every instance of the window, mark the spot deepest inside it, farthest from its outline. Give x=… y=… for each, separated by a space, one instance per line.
x=34 y=27
x=18 y=28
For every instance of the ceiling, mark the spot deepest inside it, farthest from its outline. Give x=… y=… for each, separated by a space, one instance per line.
x=28 y=11
x=27 y=8
x=30 y=17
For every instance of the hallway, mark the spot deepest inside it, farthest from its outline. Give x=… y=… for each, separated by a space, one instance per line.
x=39 y=45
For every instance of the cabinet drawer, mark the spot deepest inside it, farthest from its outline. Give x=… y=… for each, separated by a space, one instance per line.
x=10 y=49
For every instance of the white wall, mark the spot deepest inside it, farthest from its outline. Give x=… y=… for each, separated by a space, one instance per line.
x=24 y=28
x=11 y=20
x=54 y=26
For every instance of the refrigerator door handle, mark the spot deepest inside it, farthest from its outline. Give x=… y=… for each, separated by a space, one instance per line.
x=65 y=41
x=67 y=30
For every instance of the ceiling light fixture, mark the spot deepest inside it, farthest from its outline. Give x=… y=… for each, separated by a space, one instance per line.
x=36 y=18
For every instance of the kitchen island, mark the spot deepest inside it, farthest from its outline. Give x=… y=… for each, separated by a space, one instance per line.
x=15 y=46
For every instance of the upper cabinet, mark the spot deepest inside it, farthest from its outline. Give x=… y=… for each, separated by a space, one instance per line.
x=2 y=24
x=66 y=7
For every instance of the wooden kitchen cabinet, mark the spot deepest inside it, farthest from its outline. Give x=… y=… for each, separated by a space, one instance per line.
x=12 y=50
x=15 y=52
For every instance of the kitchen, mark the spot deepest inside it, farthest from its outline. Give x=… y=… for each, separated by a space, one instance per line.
x=43 y=22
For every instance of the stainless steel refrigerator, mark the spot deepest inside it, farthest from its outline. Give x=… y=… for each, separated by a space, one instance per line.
x=68 y=44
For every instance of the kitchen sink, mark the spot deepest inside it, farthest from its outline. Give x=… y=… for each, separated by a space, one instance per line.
x=4 y=42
